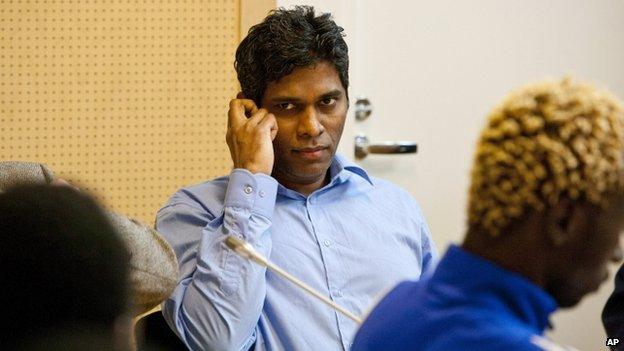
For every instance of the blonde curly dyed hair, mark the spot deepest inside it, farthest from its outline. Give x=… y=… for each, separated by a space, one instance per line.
x=546 y=141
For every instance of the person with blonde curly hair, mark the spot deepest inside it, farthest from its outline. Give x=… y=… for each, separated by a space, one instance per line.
x=545 y=212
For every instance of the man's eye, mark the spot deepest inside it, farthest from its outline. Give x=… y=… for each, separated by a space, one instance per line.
x=328 y=101
x=286 y=106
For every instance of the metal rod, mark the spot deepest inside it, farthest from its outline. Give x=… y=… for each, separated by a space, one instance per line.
x=245 y=250
x=313 y=292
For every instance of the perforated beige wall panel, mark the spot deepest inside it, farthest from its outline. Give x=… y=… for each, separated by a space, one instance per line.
x=127 y=98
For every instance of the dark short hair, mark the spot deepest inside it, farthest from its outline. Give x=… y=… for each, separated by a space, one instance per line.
x=285 y=40
x=63 y=263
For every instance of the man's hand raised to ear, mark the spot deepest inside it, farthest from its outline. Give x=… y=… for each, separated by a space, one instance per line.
x=250 y=136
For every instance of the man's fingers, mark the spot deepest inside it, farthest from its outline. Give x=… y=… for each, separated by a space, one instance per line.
x=255 y=119
x=239 y=110
x=269 y=123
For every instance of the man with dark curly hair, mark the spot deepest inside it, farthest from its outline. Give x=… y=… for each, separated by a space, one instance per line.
x=545 y=214
x=319 y=216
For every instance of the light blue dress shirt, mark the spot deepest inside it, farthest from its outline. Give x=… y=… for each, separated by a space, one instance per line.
x=352 y=240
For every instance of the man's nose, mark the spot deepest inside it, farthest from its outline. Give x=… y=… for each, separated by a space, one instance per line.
x=309 y=123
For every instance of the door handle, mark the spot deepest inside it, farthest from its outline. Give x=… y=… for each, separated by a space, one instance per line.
x=363 y=147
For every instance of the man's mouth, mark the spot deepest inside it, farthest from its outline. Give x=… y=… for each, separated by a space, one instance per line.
x=310 y=153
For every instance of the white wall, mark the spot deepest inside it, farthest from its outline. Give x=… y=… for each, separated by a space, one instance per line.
x=451 y=61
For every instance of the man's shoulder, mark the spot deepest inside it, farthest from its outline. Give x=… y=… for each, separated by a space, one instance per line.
x=386 y=186
x=408 y=317
x=391 y=310
x=385 y=189
x=205 y=195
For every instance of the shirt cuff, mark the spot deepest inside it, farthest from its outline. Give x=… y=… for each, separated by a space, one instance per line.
x=256 y=192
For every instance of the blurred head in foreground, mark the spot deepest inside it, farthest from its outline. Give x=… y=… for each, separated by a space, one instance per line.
x=546 y=196
x=65 y=269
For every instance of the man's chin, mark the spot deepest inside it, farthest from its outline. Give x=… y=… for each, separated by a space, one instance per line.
x=569 y=301
x=574 y=299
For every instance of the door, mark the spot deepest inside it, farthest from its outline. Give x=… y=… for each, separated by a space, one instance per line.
x=433 y=69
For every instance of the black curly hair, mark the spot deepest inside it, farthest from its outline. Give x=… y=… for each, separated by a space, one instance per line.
x=285 y=40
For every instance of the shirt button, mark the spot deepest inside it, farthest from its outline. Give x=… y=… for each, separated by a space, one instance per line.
x=248 y=190
x=327 y=243
x=262 y=193
x=338 y=293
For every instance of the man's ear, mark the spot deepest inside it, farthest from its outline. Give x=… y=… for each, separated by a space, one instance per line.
x=565 y=222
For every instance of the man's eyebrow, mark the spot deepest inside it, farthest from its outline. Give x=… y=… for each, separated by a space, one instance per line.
x=332 y=94
x=285 y=99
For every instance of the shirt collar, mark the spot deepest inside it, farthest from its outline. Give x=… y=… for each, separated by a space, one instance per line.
x=482 y=282
x=340 y=170
x=341 y=163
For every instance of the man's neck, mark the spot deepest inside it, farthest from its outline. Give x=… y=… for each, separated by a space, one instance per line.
x=510 y=252
x=304 y=188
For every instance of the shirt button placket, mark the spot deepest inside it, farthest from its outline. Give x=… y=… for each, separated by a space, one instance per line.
x=334 y=293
